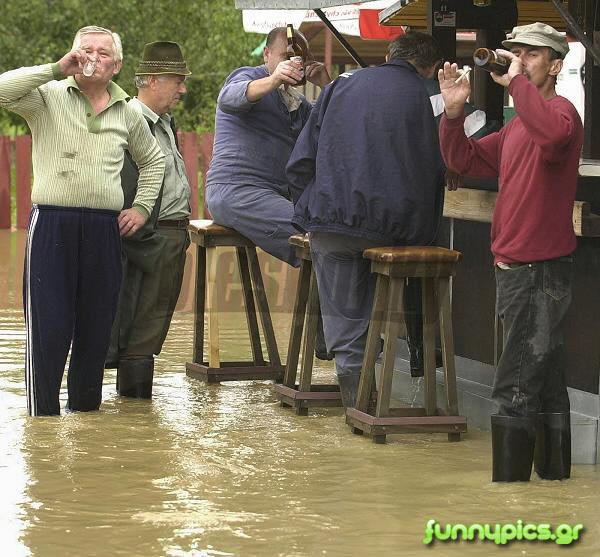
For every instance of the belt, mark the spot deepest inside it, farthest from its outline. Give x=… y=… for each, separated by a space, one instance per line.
x=177 y=224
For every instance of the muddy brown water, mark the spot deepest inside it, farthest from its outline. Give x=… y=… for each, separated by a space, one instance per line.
x=224 y=470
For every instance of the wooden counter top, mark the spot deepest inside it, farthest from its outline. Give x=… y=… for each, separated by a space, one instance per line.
x=478 y=205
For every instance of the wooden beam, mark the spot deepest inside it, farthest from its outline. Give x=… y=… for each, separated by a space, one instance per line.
x=478 y=205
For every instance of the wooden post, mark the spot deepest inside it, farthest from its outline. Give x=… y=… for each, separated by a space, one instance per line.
x=591 y=134
x=23 y=148
x=328 y=49
x=206 y=150
x=189 y=151
x=445 y=36
x=5 y=158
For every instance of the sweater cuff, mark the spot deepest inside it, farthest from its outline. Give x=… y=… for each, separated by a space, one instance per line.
x=514 y=82
x=141 y=210
x=56 y=71
x=457 y=122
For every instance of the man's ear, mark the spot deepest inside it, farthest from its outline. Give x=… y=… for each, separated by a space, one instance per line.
x=555 y=67
x=117 y=67
x=265 y=54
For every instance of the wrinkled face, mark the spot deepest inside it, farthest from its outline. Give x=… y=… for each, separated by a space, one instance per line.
x=167 y=90
x=277 y=52
x=537 y=65
x=100 y=47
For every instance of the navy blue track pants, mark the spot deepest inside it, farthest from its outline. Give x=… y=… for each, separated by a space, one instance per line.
x=70 y=292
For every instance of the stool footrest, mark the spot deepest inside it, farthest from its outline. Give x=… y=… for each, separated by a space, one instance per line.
x=319 y=395
x=405 y=424
x=234 y=371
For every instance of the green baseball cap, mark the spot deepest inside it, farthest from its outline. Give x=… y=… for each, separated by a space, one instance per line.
x=538 y=34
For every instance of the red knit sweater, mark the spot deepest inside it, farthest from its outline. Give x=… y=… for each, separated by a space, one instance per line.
x=535 y=157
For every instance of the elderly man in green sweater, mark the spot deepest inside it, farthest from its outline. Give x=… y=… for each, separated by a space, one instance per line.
x=81 y=125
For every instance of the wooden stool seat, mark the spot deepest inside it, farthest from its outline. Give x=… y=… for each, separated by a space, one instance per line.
x=303 y=395
x=208 y=236
x=417 y=254
x=434 y=266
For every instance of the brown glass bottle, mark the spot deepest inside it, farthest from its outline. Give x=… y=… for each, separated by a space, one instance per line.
x=294 y=51
x=488 y=60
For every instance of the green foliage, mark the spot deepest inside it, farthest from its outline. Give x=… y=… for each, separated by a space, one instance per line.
x=209 y=31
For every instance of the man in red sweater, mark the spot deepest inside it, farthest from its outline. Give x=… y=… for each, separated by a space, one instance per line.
x=535 y=158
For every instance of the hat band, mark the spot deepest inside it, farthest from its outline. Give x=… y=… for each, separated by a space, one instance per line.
x=162 y=64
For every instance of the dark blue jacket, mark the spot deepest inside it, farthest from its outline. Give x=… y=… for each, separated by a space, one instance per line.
x=368 y=161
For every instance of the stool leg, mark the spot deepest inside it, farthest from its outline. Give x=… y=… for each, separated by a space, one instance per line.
x=257 y=353
x=291 y=366
x=310 y=335
x=367 y=373
x=393 y=324
x=199 y=302
x=213 y=308
x=429 y=321
x=263 y=307
x=447 y=345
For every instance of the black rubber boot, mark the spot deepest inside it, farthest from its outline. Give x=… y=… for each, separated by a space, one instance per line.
x=349 y=389
x=134 y=377
x=320 y=346
x=513 y=441
x=553 y=446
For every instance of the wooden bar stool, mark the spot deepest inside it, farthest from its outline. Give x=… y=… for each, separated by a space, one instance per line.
x=305 y=394
x=208 y=237
x=434 y=266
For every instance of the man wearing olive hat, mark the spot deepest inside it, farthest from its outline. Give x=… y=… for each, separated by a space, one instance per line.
x=154 y=258
x=535 y=157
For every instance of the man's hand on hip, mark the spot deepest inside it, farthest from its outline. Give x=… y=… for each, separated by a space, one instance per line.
x=130 y=221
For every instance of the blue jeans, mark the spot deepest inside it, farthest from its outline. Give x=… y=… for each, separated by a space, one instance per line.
x=532 y=300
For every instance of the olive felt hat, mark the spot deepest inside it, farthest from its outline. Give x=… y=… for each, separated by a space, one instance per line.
x=162 y=57
x=538 y=34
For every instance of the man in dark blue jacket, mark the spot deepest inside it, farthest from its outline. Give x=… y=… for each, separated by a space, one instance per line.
x=367 y=171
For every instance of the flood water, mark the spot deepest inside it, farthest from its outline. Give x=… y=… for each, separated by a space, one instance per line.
x=213 y=470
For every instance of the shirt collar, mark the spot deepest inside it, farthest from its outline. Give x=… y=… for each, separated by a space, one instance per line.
x=149 y=113
x=116 y=93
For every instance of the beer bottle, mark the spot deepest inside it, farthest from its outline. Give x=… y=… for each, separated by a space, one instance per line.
x=294 y=51
x=488 y=60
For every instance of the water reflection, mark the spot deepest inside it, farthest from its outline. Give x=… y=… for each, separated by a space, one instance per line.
x=213 y=470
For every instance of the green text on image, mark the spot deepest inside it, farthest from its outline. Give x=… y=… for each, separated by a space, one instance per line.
x=563 y=534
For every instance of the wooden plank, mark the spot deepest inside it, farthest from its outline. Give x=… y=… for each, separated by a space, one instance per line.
x=447 y=338
x=478 y=205
x=263 y=306
x=414 y=13
x=23 y=177
x=212 y=295
x=291 y=366
x=367 y=374
x=5 y=180
x=199 y=305
x=429 y=326
x=250 y=309
x=310 y=334
x=394 y=322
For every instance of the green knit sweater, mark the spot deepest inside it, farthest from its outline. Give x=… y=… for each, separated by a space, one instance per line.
x=78 y=154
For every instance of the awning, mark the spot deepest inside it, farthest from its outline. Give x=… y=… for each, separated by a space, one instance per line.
x=352 y=19
x=413 y=13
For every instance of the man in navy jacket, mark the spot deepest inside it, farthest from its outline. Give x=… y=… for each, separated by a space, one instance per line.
x=367 y=171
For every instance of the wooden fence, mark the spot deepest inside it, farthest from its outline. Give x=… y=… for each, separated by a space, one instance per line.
x=16 y=153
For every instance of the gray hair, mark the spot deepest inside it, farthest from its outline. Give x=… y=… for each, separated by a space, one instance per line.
x=117 y=46
x=142 y=81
